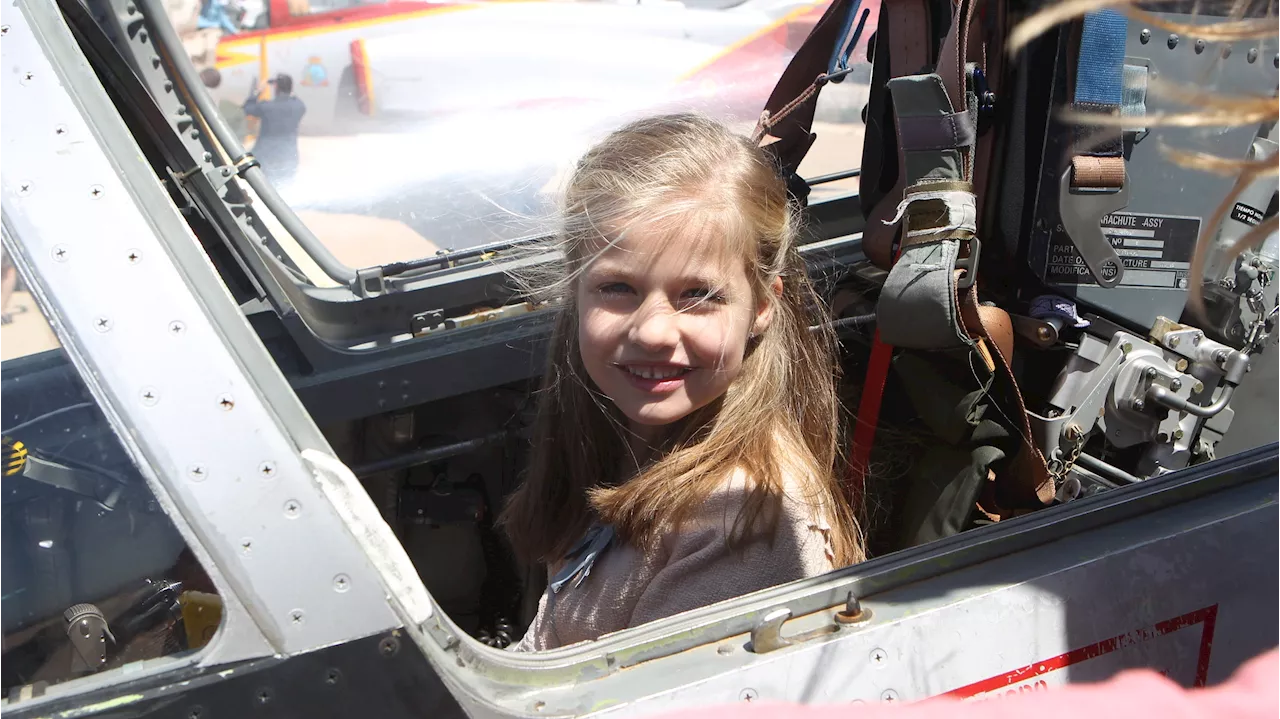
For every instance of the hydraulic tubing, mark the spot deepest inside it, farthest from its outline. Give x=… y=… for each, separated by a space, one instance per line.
x=1094 y=464
x=167 y=38
x=1174 y=402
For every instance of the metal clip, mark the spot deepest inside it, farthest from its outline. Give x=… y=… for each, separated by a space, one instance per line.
x=969 y=264
x=1082 y=210
x=767 y=635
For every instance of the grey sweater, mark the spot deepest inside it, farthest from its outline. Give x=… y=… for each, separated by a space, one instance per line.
x=690 y=568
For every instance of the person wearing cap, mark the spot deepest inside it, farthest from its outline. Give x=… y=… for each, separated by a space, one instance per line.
x=277 y=145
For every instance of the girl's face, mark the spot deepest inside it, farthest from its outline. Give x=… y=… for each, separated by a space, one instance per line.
x=663 y=330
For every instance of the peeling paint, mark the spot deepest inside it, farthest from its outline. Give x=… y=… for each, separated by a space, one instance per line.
x=102 y=706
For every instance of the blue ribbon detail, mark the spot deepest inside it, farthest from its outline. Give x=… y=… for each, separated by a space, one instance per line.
x=580 y=559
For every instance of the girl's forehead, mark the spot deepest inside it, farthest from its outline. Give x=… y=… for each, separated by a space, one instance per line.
x=706 y=248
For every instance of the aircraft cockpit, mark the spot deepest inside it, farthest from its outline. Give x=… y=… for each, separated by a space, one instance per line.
x=259 y=422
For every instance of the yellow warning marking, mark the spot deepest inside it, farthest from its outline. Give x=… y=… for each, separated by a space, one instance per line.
x=17 y=453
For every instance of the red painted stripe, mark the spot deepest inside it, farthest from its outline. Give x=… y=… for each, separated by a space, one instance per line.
x=286 y=23
x=1208 y=616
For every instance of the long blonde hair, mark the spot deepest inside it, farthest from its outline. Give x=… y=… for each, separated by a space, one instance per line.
x=778 y=422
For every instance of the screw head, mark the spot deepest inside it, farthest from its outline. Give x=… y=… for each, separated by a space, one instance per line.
x=1149 y=373
x=102 y=324
x=1199 y=46
x=264 y=696
x=24 y=188
x=1181 y=365
x=267 y=469
x=1126 y=348
x=1173 y=40
x=198 y=472
x=1139 y=404
x=332 y=677
x=1175 y=384
x=60 y=130
x=1144 y=37
x=1178 y=434
x=748 y=695
x=195 y=713
x=1252 y=55
x=4 y=29
x=292 y=509
x=1198 y=387
x=150 y=396
x=226 y=402
x=1175 y=341
x=297 y=616
x=59 y=253
x=889 y=695
x=28 y=77
x=341 y=583
x=96 y=191
x=879 y=658
x=1226 y=51
x=246 y=546
x=388 y=646
x=134 y=256
x=177 y=327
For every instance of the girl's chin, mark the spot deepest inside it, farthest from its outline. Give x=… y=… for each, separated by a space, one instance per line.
x=656 y=414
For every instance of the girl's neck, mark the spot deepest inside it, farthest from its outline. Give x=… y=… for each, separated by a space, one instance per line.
x=643 y=447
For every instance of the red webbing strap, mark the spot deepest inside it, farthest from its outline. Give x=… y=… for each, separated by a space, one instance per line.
x=868 y=417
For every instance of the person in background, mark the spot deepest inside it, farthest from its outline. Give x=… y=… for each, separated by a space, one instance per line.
x=230 y=111
x=277 y=145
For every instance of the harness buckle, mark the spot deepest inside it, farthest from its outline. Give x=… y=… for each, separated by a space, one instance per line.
x=969 y=264
x=1081 y=210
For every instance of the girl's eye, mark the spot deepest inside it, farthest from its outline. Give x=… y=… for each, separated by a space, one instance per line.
x=703 y=294
x=614 y=288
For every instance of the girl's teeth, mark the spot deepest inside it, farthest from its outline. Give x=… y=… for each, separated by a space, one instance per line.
x=654 y=373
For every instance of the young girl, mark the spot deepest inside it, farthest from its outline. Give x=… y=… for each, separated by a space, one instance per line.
x=686 y=439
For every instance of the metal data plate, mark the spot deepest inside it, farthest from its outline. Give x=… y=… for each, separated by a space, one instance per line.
x=1155 y=233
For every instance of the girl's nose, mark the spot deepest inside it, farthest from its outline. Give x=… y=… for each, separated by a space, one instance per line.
x=655 y=326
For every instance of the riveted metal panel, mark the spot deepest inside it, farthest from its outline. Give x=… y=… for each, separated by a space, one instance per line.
x=180 y=373
x=1159 y=187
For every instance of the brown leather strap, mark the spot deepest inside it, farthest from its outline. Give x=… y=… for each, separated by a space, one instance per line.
x=790 y=138
x=1032 y=481
x=992 y=60
x=905 y=31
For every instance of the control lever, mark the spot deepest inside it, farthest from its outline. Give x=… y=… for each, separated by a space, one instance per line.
x=88 y=631
x=1081 y=210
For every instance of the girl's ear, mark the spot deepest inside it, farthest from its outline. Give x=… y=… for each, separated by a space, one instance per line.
x=764 y=311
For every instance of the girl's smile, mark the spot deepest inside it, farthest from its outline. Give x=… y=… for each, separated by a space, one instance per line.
x=656 y=378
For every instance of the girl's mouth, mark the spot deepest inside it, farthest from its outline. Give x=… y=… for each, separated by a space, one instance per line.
x=655 y=378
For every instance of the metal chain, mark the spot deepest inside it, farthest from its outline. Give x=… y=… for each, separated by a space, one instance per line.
x=1059 y=469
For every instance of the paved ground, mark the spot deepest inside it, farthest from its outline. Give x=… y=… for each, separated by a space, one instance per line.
x=27 y=332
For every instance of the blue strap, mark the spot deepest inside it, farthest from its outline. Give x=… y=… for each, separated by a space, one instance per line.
x=849 y=36
x=582 y=557
x=1100 y=65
